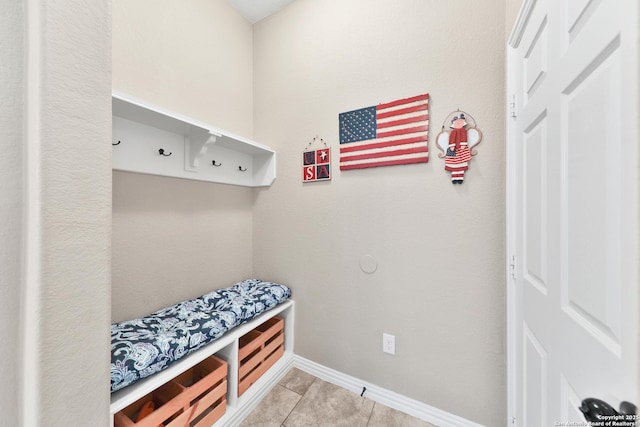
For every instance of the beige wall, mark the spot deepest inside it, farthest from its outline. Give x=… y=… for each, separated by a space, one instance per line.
x=439 y=286
x=55 y=212
x=176 y=239
x=73 y=187
x=11 y=186
x=191 y=57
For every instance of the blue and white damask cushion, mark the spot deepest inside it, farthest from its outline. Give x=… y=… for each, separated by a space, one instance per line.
x=142 y=347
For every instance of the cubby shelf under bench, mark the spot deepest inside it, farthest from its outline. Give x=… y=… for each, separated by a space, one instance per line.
x=243 y=391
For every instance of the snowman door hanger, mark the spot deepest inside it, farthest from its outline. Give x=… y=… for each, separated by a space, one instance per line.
x=457 y=142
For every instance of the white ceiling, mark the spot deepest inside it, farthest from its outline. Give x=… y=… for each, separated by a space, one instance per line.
x=255 y=10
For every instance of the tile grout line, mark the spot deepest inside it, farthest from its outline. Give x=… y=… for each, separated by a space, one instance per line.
x=298 y=402
x=290 y=386
x=371 y=413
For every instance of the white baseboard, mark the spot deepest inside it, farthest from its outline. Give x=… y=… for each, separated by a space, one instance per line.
x=381 y=395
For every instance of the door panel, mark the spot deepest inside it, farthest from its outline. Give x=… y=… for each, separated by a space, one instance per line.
x=573 y=208
x=570 y=402
x=535 y=379
x=591 y=123
x=576 y=13
x=535 y=163
x=535 y=58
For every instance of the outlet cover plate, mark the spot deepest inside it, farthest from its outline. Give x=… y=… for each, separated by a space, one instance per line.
x=389 y=343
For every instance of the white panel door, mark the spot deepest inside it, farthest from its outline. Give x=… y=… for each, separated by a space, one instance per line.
x=573 y=208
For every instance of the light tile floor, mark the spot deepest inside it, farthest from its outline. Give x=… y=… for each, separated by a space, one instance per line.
x=301 y=400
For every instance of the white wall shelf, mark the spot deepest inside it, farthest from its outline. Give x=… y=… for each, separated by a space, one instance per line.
x=225 y=347
x=140 y=130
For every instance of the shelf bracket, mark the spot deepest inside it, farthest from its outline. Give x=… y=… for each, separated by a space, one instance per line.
x=195 y=147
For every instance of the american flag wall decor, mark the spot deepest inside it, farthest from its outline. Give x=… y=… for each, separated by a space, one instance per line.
x=389 y=134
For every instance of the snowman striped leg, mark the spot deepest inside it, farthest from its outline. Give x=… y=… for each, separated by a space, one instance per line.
x=457 y=177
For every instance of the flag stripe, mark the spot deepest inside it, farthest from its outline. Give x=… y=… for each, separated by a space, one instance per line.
x=453 y=160
x=387 y=149
x=414 y=119
x=379 y=109
x=372 y=155
x=463 y=156
x=403 y=131
x=404 y=101
x=423 y=159
x=380 y=140
x=384 y=144
x=420 y=107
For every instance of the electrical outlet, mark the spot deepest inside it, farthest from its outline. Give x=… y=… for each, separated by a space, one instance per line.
x=389 y=343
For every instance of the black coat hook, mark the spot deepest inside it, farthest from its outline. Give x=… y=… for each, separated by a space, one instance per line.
x=117 y=143
x=213 y=162
x=161 y=152
x=242 y=170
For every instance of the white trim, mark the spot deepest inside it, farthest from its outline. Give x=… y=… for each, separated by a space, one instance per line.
x=511 y=244
x=381 y=395
x=521 y=22
x=30 y=317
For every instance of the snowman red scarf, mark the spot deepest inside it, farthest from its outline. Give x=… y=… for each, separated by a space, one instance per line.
x=457 y=136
